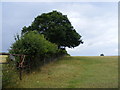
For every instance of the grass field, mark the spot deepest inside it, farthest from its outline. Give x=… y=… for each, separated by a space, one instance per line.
x=3 y=58
x=74 y=72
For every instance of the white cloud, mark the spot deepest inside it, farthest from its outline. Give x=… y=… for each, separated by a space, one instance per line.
x=98 y=31
x=95 y=22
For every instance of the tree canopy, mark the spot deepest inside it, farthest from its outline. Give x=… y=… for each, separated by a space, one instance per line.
x=56 y=28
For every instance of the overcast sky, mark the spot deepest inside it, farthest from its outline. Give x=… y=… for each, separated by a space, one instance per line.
x=96 y=22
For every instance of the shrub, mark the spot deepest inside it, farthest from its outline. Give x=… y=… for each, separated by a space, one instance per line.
x=33 y=44
x=101 y=54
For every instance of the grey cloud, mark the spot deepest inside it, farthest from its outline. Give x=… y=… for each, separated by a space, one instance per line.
x=96 y=22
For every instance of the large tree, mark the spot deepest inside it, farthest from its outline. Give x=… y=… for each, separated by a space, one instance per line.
x=56 y=28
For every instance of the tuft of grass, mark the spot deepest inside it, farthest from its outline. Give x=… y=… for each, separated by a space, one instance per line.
x=74 y=72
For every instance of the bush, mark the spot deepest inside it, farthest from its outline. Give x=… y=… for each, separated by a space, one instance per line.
x=101 y=54
x=33 y=44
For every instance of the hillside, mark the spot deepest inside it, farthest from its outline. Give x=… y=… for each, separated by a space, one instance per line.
x=74 y=72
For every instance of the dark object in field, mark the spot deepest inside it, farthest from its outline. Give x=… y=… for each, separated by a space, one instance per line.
x=101 y=54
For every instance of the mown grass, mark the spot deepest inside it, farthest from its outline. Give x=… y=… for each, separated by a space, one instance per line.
x=74 y=72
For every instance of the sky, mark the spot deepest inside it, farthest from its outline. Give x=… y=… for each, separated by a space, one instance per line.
x=96 y=22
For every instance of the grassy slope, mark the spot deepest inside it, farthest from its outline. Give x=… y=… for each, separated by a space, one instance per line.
x=75 y=72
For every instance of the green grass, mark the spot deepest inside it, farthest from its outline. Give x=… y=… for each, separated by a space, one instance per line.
x=74 y=72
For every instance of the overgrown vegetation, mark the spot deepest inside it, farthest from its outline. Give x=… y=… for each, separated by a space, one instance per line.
x=36 y=47
x=33 y=43
x=9 y=74
x=47 y=37
x=42 y=42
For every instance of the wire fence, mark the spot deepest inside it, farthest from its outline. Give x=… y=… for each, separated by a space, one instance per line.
x=25 y=63
x=20 y=63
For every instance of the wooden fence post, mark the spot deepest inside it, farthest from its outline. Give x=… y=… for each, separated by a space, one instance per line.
x=20 y=73
x=20 y=68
